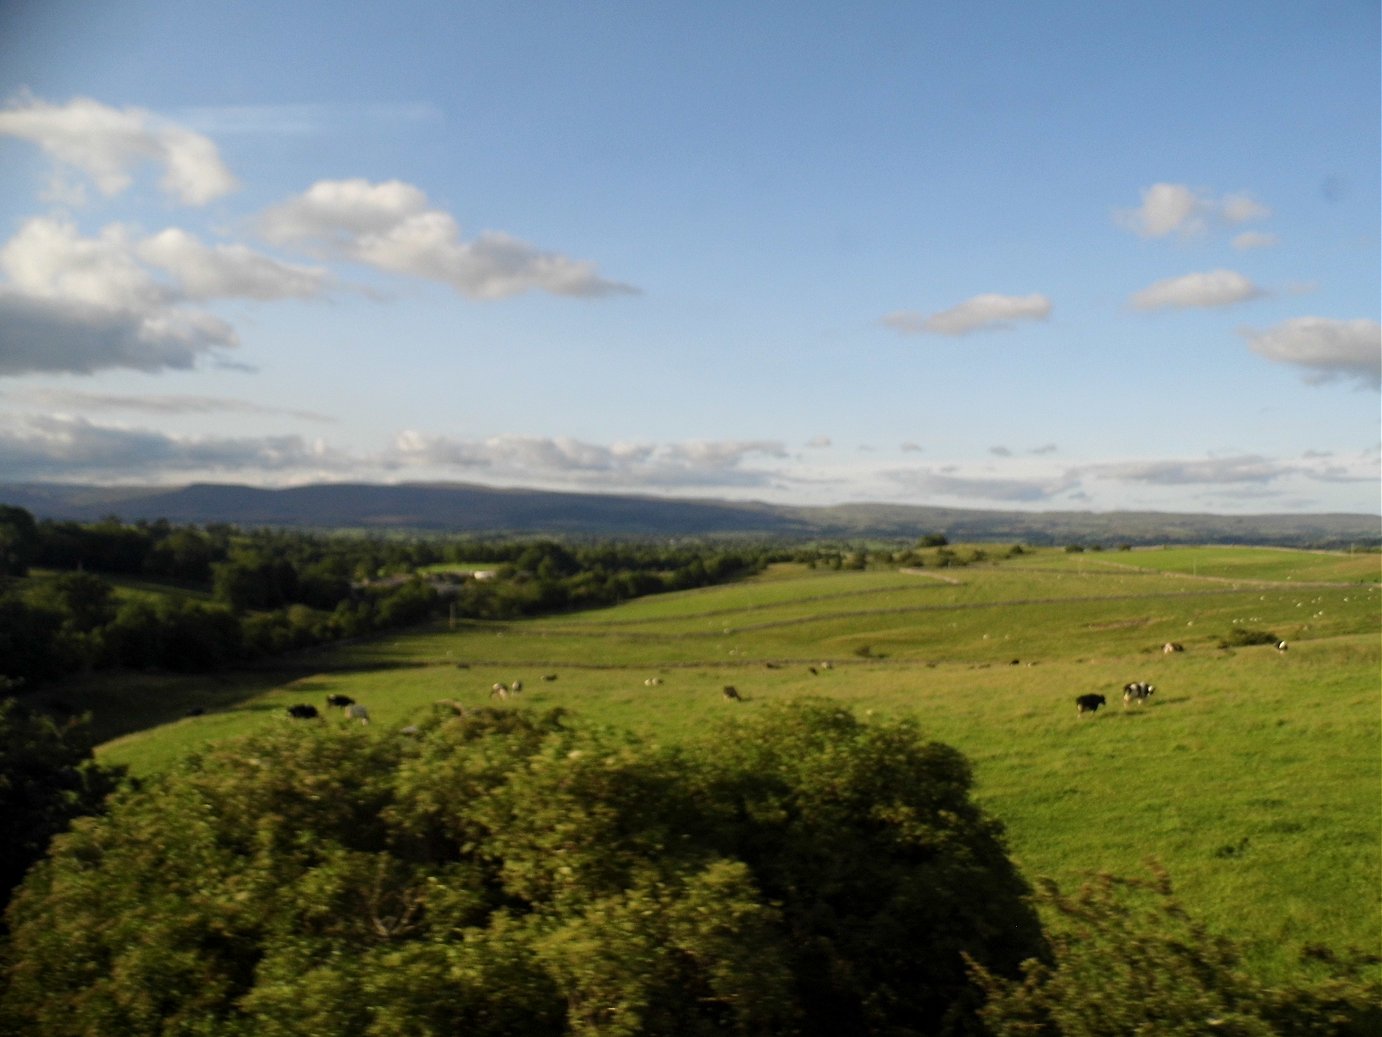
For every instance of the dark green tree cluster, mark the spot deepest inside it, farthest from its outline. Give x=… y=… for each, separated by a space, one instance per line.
x=47 y=777
x=277 y=590
x=504 y=873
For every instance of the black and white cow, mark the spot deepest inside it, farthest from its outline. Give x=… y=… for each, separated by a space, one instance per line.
x=1137 y=691
x=731 y=692
x=339 y=701
x=302 y=711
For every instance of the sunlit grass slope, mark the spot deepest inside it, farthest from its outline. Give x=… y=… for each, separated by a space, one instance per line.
x=1253 y=774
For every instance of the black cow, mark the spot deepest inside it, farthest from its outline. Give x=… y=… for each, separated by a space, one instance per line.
x=1089 y=703
x=1137 y=691
x=302 y=711
x=731 y=692
x=339 y=701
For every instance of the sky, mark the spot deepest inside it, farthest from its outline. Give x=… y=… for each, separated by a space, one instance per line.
x=1025 y=255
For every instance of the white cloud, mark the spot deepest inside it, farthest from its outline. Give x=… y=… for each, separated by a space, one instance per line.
x=46 y=447
x=224 y=271
x=1165 y=209
x=49 y=259
x=982 y=312
x=1214 y=288
x=1329 y=350
x=107 y=144
x=38 y=334
x=561 y=459
x=390 y=227
x=1179 y=209
x=818 y=442
x=82 y=304
x=1254 y=239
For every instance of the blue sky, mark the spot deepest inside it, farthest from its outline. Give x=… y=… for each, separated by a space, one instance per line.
x=999 y=255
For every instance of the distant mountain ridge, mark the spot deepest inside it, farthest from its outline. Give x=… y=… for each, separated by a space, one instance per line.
x=466 y=508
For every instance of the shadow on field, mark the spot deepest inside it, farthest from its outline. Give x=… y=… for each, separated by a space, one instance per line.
x=125 y=702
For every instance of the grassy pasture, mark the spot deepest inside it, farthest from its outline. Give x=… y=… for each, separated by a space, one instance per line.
x=1253 y=775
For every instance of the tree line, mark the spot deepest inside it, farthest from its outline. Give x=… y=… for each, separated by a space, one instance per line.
x=230 y=595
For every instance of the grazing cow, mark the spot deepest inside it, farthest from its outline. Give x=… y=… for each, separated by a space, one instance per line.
x=499 y=689
x=339 y=701
x=731 y=692
x=357 y=712
x=302 y=711
x=652 y=682
x=825 y=665
x=1172 y=646
x=1137 y=691
x=516 y=687
x=1281 y=646
x=1089 y=703
x=549 y=676
x=812 y=670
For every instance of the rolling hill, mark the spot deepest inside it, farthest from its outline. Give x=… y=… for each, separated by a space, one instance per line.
x=465 y=508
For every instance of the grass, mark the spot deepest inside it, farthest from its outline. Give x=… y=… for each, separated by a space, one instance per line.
x=1252 y=774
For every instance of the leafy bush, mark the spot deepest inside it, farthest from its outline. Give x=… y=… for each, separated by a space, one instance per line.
x=1241 y=637
x=504 y=873
x=47 y=777
x=1127 y=959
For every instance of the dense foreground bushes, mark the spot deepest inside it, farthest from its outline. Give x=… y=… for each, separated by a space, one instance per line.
x=505 y=874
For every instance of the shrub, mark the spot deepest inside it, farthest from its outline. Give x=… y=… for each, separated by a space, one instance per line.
x=1128 y=959
x=505 y=873
x=1241 y=637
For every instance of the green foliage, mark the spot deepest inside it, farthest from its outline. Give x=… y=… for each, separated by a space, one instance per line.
x=1128 y=959
x=18 y=540
x=508 y=873
x=1242 y=637
x=47 y=777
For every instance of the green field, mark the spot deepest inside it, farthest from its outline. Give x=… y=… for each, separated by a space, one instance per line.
x=1254 y=775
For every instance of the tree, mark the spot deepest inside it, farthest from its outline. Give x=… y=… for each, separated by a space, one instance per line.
x=18 y=541
x=47 y=777
x=508 y=873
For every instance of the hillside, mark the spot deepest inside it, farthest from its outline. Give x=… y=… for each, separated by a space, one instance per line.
x=463 y=508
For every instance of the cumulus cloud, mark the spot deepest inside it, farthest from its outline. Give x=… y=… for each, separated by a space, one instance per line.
x=982 y=312
x=1182 y=210
x=45 y=446
x=107 y=144
x=224 y=271
x=48 y=335
x=390 y=226
x=1214 y=288
x=818 y=442
x=81 y=304
x=694 y=463
x=1329 y=350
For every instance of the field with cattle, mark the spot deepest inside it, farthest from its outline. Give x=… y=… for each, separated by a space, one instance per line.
x=1251 y=772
